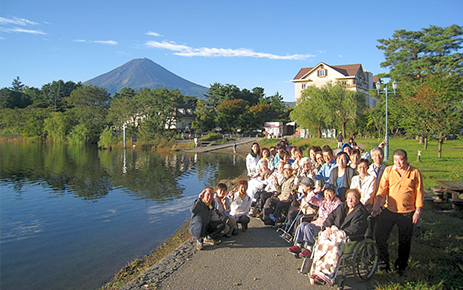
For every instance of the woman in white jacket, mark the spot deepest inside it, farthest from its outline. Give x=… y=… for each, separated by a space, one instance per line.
x=252 y=159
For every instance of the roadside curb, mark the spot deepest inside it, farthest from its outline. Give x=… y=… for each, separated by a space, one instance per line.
x=162 y=269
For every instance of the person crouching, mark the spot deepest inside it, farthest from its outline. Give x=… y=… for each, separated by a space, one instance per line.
x=202 y=226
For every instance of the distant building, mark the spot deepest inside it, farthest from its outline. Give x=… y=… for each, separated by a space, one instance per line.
x=184 y=116
x=351 y=75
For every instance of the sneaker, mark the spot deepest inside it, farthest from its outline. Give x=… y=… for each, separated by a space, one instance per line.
x=305 y=254
x=295 y=249
x=199 y=245
x=211 y=241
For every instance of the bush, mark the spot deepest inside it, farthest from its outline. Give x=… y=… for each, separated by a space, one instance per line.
x=79 y=135
x=211 y=137
x=108 y=139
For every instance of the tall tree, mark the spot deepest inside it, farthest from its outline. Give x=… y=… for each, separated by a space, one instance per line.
x=231 y=115
x=411 y=55
x=419 y=61
x=312 y=110
x=205 y=117
x=17 y=85
x=88 y=106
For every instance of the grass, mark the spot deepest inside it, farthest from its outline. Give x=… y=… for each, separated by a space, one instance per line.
x=436 y=260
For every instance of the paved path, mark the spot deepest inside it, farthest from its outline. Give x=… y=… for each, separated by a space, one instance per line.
x=256 y=259
x=240 y=141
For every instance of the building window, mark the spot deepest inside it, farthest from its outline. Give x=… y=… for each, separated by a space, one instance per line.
x=322 y=73
x=344 y=82
x=304 y=86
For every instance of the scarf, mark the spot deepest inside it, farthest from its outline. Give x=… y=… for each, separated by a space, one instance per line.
x=208 y=204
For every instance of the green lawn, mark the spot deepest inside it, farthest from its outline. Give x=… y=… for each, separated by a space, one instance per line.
x=449 y=167
x=436 y=260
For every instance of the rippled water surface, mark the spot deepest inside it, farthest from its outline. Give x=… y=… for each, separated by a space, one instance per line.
x=71 y=217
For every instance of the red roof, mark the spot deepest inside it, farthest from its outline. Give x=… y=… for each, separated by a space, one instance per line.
x=346 y=70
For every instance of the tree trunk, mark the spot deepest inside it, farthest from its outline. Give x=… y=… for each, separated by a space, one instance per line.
x=440 y=141
x=426 y=143
x=319 y=132
x=420 y=138
x=343 y=128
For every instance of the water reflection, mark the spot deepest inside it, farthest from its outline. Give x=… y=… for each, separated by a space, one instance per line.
x=90 y=173
x=127 y=204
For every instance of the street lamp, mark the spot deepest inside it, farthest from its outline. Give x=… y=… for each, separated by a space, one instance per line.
x=378 y=87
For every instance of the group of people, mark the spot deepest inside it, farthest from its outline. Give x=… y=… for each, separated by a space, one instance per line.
x=323 y=192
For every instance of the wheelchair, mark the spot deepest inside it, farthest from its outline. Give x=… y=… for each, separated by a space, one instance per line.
x=361 y=256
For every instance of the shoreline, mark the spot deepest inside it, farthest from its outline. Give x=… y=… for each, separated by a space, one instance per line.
x=178 y=248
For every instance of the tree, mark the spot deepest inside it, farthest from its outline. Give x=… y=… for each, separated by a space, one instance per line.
x=205 y=117
x=312 y=109
x=157 y=109
x=421 y=61
x=88 y=107
x=17 y=85
x=345 y=105
x=436 y=106
x=411 y=55
x=218 y=93
x=231 y=114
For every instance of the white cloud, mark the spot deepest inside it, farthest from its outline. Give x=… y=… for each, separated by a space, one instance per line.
x=184 y=50
x=16 y=21
x=111 y=42
x=153 y=33
x=17 y=29
x=321 y=51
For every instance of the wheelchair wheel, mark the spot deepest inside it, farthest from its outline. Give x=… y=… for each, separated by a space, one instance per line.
x=366 y=259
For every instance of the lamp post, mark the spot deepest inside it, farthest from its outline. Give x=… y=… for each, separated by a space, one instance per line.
x=378 y=87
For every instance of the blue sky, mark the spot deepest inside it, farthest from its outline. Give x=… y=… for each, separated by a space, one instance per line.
x=246 y=43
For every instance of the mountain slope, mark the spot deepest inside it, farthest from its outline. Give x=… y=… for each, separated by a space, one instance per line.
x=140 y=73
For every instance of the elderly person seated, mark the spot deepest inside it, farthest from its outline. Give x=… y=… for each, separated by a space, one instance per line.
x=202 y=226
x=282 y=199
x=259 y=180
x=240 y=204
x=270 y=189
x=348 y=220
x=306 y=231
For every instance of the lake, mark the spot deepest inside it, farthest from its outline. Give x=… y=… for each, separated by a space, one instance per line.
x=71 y=216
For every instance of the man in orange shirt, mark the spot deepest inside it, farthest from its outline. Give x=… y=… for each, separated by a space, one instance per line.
x=402 y=187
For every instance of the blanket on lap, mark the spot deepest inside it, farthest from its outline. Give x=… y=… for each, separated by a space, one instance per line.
x=327 y=253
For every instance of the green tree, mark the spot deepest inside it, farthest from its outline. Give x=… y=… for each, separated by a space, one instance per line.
x=205 y=117
x=156 y=109
x=312 y=109
x=218 y=93
x=57 y=127
x=231 y=115
x=345 y=105
x=54 y=94
x=17 y=85
x=413 y=57
x=88 y=106
x=435 y=106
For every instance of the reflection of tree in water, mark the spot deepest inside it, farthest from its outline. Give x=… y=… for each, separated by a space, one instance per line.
x=148 y=175
x=60 y=167
x=91 y=173
x=213 y=167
